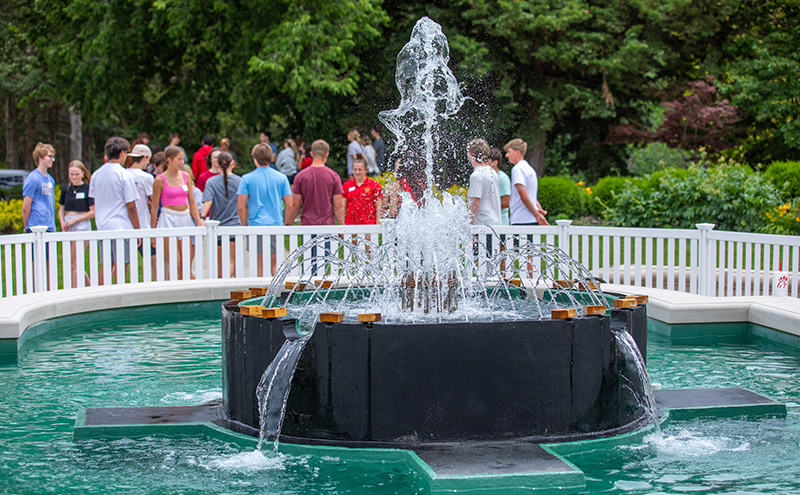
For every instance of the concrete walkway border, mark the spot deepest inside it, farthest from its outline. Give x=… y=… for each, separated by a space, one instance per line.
x=674 y=308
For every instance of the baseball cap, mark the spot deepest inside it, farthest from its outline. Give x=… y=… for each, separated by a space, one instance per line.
x=141 y=150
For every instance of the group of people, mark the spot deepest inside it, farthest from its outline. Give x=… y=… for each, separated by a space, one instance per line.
x=136 y=189
x=496 y=199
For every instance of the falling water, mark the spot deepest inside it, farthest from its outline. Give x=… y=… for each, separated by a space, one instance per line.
x=641 y=388
x=273 y=389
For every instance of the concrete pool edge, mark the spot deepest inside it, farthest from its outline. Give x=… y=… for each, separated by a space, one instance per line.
x=558 y=475
x=773 y=318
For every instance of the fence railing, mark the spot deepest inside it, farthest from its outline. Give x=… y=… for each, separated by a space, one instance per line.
x=699 y=261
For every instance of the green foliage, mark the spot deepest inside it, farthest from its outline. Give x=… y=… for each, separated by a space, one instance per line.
x=14 y=192
x=762 y=76
x=11 y=217
x=562 y=198
x=729 y=195
x=652 y=157
x=783 y=220
x=786 y=177
x=604 y=193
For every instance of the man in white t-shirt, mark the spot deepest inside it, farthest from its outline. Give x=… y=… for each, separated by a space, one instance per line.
x=140 y=158
x=524 y=208
x=115 y=195
x=484 y=189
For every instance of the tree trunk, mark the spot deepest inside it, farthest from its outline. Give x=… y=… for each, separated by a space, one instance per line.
x=75 y=135
x=30 y=136
x=12 y=151
x=535 y=154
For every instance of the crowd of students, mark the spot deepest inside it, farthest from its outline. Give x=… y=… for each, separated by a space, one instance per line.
x=136 y=189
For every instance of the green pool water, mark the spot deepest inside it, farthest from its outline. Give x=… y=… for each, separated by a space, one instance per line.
x=168 y=356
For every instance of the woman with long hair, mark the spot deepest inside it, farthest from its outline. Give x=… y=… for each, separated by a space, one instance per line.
x=220 y=203
x=76 y=210
x=410 y=177
x=173 y=189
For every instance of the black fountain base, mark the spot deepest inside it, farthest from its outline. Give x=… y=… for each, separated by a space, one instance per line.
x=385 y=384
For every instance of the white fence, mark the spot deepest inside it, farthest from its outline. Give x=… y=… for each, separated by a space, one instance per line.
x=699 y=261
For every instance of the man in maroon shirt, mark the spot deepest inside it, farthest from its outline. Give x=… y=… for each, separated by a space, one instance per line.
x=201 y=156
x=319 y=190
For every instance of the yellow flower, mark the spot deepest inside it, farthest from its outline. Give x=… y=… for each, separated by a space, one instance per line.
x=580 y=183
x=588 y=190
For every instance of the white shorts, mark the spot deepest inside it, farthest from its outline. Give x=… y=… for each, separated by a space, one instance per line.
x=171 y=219
x=84 y=226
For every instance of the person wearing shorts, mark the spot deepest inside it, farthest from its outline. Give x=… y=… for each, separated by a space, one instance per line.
x=174 y=191
x=261 y=198
x=220 y=202
x=114 y=193
x=76 y=210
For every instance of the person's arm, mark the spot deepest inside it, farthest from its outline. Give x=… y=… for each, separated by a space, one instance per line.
x=288 y=202
x=339 y=204
x=505 y=201
x=539 y=205
x=133 y=214
x=61 y=219
x=207 y=208
x=290 y=214
x=395 y=200
x=158 y=186
x=82 y=218
x=26 y=210
x=474 y=203
x=193 y=206
x=378 y=209
x=526 y=200
x=241 y=208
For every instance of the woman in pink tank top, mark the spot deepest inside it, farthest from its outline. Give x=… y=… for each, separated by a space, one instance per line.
x=173 y=191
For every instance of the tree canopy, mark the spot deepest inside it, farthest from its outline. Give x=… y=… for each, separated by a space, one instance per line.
x=558 y=73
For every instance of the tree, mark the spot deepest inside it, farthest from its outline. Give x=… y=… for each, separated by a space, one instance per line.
x=763 y=78
x=699 y=118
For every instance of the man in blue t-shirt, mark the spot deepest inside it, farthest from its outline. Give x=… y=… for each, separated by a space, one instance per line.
x=38 y=200
x=261 y=194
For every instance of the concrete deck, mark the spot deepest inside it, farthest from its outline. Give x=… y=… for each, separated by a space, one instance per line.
x=20 y=312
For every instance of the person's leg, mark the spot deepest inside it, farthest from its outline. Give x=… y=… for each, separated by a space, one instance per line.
x=233 y=258
x=73 y=259
x=179 y=259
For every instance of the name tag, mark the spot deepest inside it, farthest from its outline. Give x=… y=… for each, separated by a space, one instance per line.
x=47 y=189
x=185 y=187
x=351 y=189
x=80 y=195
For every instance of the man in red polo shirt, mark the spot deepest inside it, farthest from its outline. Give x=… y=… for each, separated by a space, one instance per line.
x=363 y=196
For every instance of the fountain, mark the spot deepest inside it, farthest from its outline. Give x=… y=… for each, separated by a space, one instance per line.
x=473 y=368
x=454 y=347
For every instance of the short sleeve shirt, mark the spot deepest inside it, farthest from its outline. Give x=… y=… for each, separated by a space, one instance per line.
x=265 y=188
x=223 y=209
x=317 y=186
x=112 y=188
x=41 y=189
x=505 y=190
x=75 y=198
x=524 y=174
x=144 y=186
x=361 y=201
x=484 y=185
x=353 y=148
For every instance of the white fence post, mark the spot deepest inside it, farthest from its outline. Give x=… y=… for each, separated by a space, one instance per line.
x=39 y=259
x=707 y=274
x=211 y=242
x=563 y=234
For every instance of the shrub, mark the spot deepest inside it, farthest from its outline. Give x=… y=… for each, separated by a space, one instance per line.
x=11 y=216
x=562 y=198
x=786 y=177
x=603 y=194
x=785 y=219
x=654 y=157
x=730 y=195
